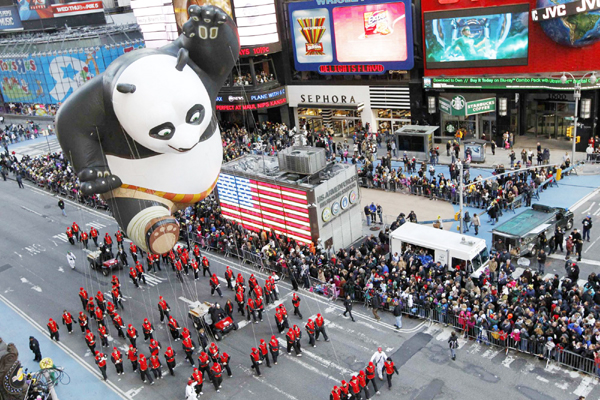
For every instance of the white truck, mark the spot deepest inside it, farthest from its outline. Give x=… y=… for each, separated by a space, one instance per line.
x=449 y=248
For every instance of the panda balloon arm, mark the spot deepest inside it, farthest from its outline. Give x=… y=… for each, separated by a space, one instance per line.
x=77 y=125
x=211 y=38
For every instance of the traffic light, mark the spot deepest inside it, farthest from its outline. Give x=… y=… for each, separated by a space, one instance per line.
x=570 y=132
x=457 y=216
x=577 y=140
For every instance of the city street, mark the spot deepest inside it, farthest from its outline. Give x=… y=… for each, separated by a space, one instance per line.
x=36 y=284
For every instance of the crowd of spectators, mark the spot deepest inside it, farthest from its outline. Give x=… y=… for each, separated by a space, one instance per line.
x=246 y=79
x=15 y=133
x=30 y=109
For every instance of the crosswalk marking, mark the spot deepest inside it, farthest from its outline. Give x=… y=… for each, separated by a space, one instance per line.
x=154 y=280
x=96 y=225
x=62 y=237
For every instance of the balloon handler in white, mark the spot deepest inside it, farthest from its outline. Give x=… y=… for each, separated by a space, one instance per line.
x=132 y=131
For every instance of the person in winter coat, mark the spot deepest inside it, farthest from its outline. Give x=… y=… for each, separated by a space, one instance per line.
x=453 y=345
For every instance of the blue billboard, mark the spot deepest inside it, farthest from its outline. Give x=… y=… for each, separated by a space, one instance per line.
x=9 y=19
x=50 y=78
x=342 y=37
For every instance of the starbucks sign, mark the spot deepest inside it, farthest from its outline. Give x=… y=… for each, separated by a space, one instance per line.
x=458 y=106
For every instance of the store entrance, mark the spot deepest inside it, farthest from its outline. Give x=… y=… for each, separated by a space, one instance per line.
x=487 y=127
x=341 y=122
x=549 y=119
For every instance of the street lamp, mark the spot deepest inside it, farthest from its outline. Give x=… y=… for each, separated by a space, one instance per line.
x=577 y=97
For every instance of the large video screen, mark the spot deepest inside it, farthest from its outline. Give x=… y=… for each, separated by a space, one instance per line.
x=360 y=39
x=260 y=205
x=477 y=37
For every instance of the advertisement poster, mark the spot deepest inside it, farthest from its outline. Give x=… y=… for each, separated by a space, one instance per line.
x=332 y=37
x=372 y=33
x=9 y=19
x=312 y=36
x=477 y=37
x=30 y=10
x=51 y=78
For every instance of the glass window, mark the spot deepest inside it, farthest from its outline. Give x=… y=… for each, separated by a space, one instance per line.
x=265 y=71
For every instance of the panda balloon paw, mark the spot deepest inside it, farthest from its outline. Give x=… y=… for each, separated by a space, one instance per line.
x=162 y=234
x=98 y=180
x=204 y=22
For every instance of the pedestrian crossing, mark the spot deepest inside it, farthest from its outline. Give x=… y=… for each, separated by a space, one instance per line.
x=62 y=237
x=96 y=225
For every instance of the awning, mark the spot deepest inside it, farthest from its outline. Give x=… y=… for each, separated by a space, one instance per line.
x=328 y=106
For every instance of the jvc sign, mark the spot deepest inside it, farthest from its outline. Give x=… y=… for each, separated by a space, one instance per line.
x=563 y=10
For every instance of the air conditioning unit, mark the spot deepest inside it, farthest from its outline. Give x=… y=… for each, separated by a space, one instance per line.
x=302 y=160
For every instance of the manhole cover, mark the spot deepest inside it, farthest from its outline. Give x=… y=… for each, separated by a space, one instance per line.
x=375 y=228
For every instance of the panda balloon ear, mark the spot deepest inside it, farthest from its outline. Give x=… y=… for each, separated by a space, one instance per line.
x=182 y=59
x=126 y=88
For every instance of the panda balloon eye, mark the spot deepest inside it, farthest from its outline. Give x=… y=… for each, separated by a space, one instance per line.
x=195 y=115
x=163 y=131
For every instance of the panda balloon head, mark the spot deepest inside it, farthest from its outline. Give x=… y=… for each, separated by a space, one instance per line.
x=143 y=133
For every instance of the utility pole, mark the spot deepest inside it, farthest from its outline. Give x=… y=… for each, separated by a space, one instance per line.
x=461 y=190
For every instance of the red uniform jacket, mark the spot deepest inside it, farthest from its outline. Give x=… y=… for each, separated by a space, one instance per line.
x=132 y=354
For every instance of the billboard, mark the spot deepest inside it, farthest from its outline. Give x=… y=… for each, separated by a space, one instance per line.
x=259 y=205
x=477 y=37
x=51 y=78
x=371 y=37
x=30 y=10
x=545 y=54
x=9 y=19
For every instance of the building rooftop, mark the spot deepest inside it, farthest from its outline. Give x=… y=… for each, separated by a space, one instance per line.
x=266 y=168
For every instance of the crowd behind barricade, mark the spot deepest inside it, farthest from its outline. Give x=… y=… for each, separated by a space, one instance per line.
x=50 y=172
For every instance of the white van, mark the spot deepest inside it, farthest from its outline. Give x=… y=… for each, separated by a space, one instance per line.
x=449 y=248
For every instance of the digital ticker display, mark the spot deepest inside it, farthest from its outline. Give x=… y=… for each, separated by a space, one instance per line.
x=477 y=37
x=366 y=38
x=260 y=205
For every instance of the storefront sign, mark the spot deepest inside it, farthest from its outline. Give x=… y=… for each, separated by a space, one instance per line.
x=505 y=83
x=352 y=69
x=458 y=106
x=334 y=95
x=260 y=50
x=235 y=102
x=9 y=19
x=255 y=106
x=563 y=10
x=335 y=191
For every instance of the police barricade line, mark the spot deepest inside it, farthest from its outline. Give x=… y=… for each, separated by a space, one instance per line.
x=328 y=290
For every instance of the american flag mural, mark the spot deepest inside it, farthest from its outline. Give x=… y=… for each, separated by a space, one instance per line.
x=260 y=205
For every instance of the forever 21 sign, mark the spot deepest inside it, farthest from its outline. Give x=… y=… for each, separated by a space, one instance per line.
x=318 y=98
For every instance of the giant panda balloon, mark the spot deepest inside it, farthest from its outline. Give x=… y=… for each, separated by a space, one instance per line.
x=143 y=133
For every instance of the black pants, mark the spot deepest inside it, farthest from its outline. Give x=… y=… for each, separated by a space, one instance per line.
x=265 y=357
x=207 y=370
x=134 y=365
x=218 y=289
x=293 y=345
x=37 y=356
x=256 y=367
x=228 y=369
x=389 y=380
x=119 y=368
x=275 y=355
x=142 y=277
x=297 y=312
x=189 y=355
x=164 y=314
x=69 y=327
x=374 y=382
x=349 y=312
x=217 y=380
x=54 y=335
x=198 y=388
x=171 y=366
x=103 y=371
x=251 y=313
x=311 y=340
x=241 y=308
x=175 y=334
x=367 y=394
x=132 y=340
x=148 y=336
x=146 y=375
x=205 y=270
x=321 y=330
x=104 y=341
x=157 y=373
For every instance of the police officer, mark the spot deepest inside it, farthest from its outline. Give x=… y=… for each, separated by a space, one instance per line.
x=348 y=306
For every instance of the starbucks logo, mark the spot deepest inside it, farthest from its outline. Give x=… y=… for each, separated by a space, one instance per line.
x=450 y=128
x=458 y=103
